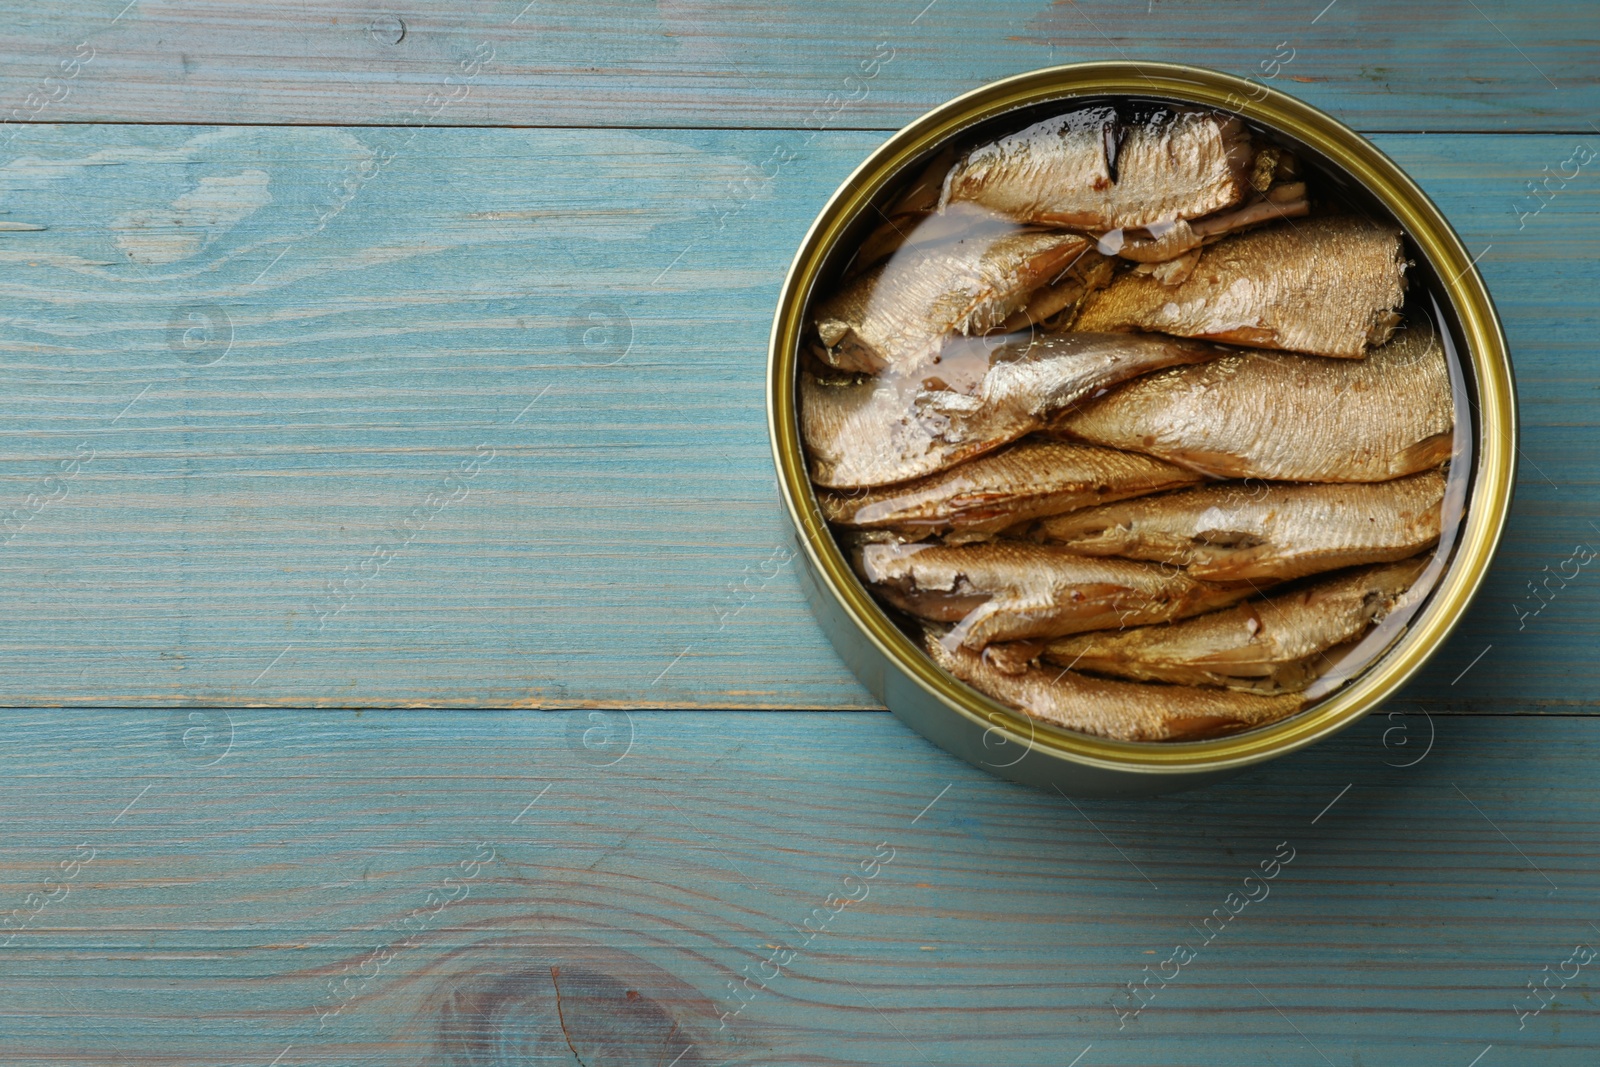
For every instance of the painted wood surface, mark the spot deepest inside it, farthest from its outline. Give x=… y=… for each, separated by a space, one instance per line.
x=1431 y=65
x=501 y=393
x=527 y=362
x=332 y=887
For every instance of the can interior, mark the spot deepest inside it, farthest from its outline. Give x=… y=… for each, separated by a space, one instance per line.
x=1334 y=190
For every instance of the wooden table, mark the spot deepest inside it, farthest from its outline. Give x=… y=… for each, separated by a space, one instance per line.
x=361 y=357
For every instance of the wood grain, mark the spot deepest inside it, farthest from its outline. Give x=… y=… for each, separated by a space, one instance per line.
x=504 y=398
x=358 y=410
x=1492 y=65
x=246 y=866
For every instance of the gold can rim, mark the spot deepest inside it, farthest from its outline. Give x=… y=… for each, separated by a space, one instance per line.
x=1490 y=492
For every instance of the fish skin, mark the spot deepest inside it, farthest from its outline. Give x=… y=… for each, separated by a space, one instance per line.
x=1119 y=711
x=1169 y=241
x=1155 y=243
x=895 y=428
x=897 y=315
x=1239 y=532
x=1325 y=286
x=1028 y=480
x=1060 y=299
x=1007 y=590
x=922 y=229
x=1274 y=645
x=1286 y=417
x=1085 y=169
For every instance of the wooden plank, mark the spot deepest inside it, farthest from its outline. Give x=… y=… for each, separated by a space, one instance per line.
x=326 y=887
x=1491 y=65
x=249 y=365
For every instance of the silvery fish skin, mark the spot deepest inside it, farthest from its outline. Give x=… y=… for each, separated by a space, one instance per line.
x=988 y=393
x=1032 y=478
x=897 y=316
x=1322 y=287
x=1288 y=418
x=1085 y=169
x=1274 y=645
x=1237 y=532
x=1120 y=711
x=1009 y=590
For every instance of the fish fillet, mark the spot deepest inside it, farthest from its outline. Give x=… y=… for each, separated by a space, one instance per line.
x=1325 y=287
x=897 y=316
x=1087 y=169
x=1121 y=711
x=987 y=394
x=1006 y=590
x=1030 y=479
x=1291 y=418
x=1236 y=532
x=1262 y=646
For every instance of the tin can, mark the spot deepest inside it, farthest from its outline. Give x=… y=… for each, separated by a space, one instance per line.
x=1005 y=741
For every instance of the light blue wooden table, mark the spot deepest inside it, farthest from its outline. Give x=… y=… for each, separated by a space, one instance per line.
x=393 y=672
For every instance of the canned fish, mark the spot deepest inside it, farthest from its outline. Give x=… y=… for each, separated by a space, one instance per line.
x=1138 y=425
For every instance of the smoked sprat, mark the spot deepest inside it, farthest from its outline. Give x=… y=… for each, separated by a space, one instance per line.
x=1127 y=420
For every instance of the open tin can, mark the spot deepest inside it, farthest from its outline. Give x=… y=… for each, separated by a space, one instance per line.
x=1004 y=740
